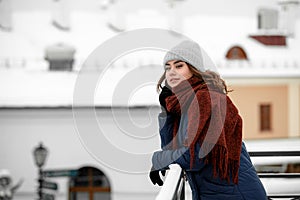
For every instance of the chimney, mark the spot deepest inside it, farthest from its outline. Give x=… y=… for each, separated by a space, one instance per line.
x=287 y=16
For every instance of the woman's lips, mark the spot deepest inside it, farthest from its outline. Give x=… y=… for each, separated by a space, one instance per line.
x=174 y=79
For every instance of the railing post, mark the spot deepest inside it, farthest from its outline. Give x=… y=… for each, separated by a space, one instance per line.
x=182 y=194
x=169 y=190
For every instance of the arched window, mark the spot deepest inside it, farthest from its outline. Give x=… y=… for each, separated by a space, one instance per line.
x=89 y=184
x=236 y=53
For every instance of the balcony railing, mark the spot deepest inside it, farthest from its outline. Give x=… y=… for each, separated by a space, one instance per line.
x=278 y=175
x=171 y=191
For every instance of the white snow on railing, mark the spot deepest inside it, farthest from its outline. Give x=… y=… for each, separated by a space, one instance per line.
x=169 y=188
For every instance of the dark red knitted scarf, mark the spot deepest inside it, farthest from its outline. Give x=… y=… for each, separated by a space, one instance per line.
x=213 y=122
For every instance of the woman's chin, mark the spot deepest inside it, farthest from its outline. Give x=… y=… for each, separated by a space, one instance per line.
x=173 y=85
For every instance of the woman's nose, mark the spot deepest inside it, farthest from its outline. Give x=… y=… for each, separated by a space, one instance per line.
x=172 y=72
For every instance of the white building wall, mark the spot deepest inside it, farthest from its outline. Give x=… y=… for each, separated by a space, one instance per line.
x=23 y=129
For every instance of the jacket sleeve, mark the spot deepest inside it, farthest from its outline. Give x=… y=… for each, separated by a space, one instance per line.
x=181 y=156
x=162 y=159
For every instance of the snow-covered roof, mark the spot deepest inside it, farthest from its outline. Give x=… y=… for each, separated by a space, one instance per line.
x=26 y=81
x=114 y=87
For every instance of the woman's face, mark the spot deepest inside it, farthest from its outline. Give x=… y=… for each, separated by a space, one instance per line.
x=177 y=71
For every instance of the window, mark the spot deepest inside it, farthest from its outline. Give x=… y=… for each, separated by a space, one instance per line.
x=265 y=117
x=236 y=53
x=90 y=184
x=268 y=25
x=60 y=57
x=267 y=18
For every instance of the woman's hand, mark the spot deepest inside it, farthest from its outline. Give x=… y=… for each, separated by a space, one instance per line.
x=165 y=92
x=155 y=177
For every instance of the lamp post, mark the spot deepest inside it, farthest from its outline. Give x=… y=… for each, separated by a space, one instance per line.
x=40 y=154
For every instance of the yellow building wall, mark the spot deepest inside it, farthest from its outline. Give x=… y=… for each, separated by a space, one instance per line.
x=249 y=98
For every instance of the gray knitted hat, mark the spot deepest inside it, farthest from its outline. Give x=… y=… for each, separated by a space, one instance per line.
x=187 y=51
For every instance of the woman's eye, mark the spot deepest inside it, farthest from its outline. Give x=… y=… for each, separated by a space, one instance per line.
x=167 y=68
x=179 y=66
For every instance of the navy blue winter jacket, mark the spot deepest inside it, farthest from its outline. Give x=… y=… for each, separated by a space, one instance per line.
x=203 y=185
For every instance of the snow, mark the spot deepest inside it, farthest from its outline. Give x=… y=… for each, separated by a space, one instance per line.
x=26 y=81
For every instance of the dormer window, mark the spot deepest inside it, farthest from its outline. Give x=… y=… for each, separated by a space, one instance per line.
x=269 y=31
x=236 y=53
x=267 y=19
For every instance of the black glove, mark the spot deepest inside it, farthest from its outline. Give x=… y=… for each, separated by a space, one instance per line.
x=165 y=92
x=155 y=177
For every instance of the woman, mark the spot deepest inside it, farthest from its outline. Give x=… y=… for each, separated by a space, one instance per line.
x=201 y=130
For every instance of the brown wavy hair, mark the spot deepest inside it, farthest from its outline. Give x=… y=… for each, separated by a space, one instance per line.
x=210 y=77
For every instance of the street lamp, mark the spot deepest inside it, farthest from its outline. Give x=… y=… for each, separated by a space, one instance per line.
x=40 y=154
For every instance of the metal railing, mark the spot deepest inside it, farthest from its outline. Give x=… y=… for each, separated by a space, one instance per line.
x=278 y=175
x=171 y=191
